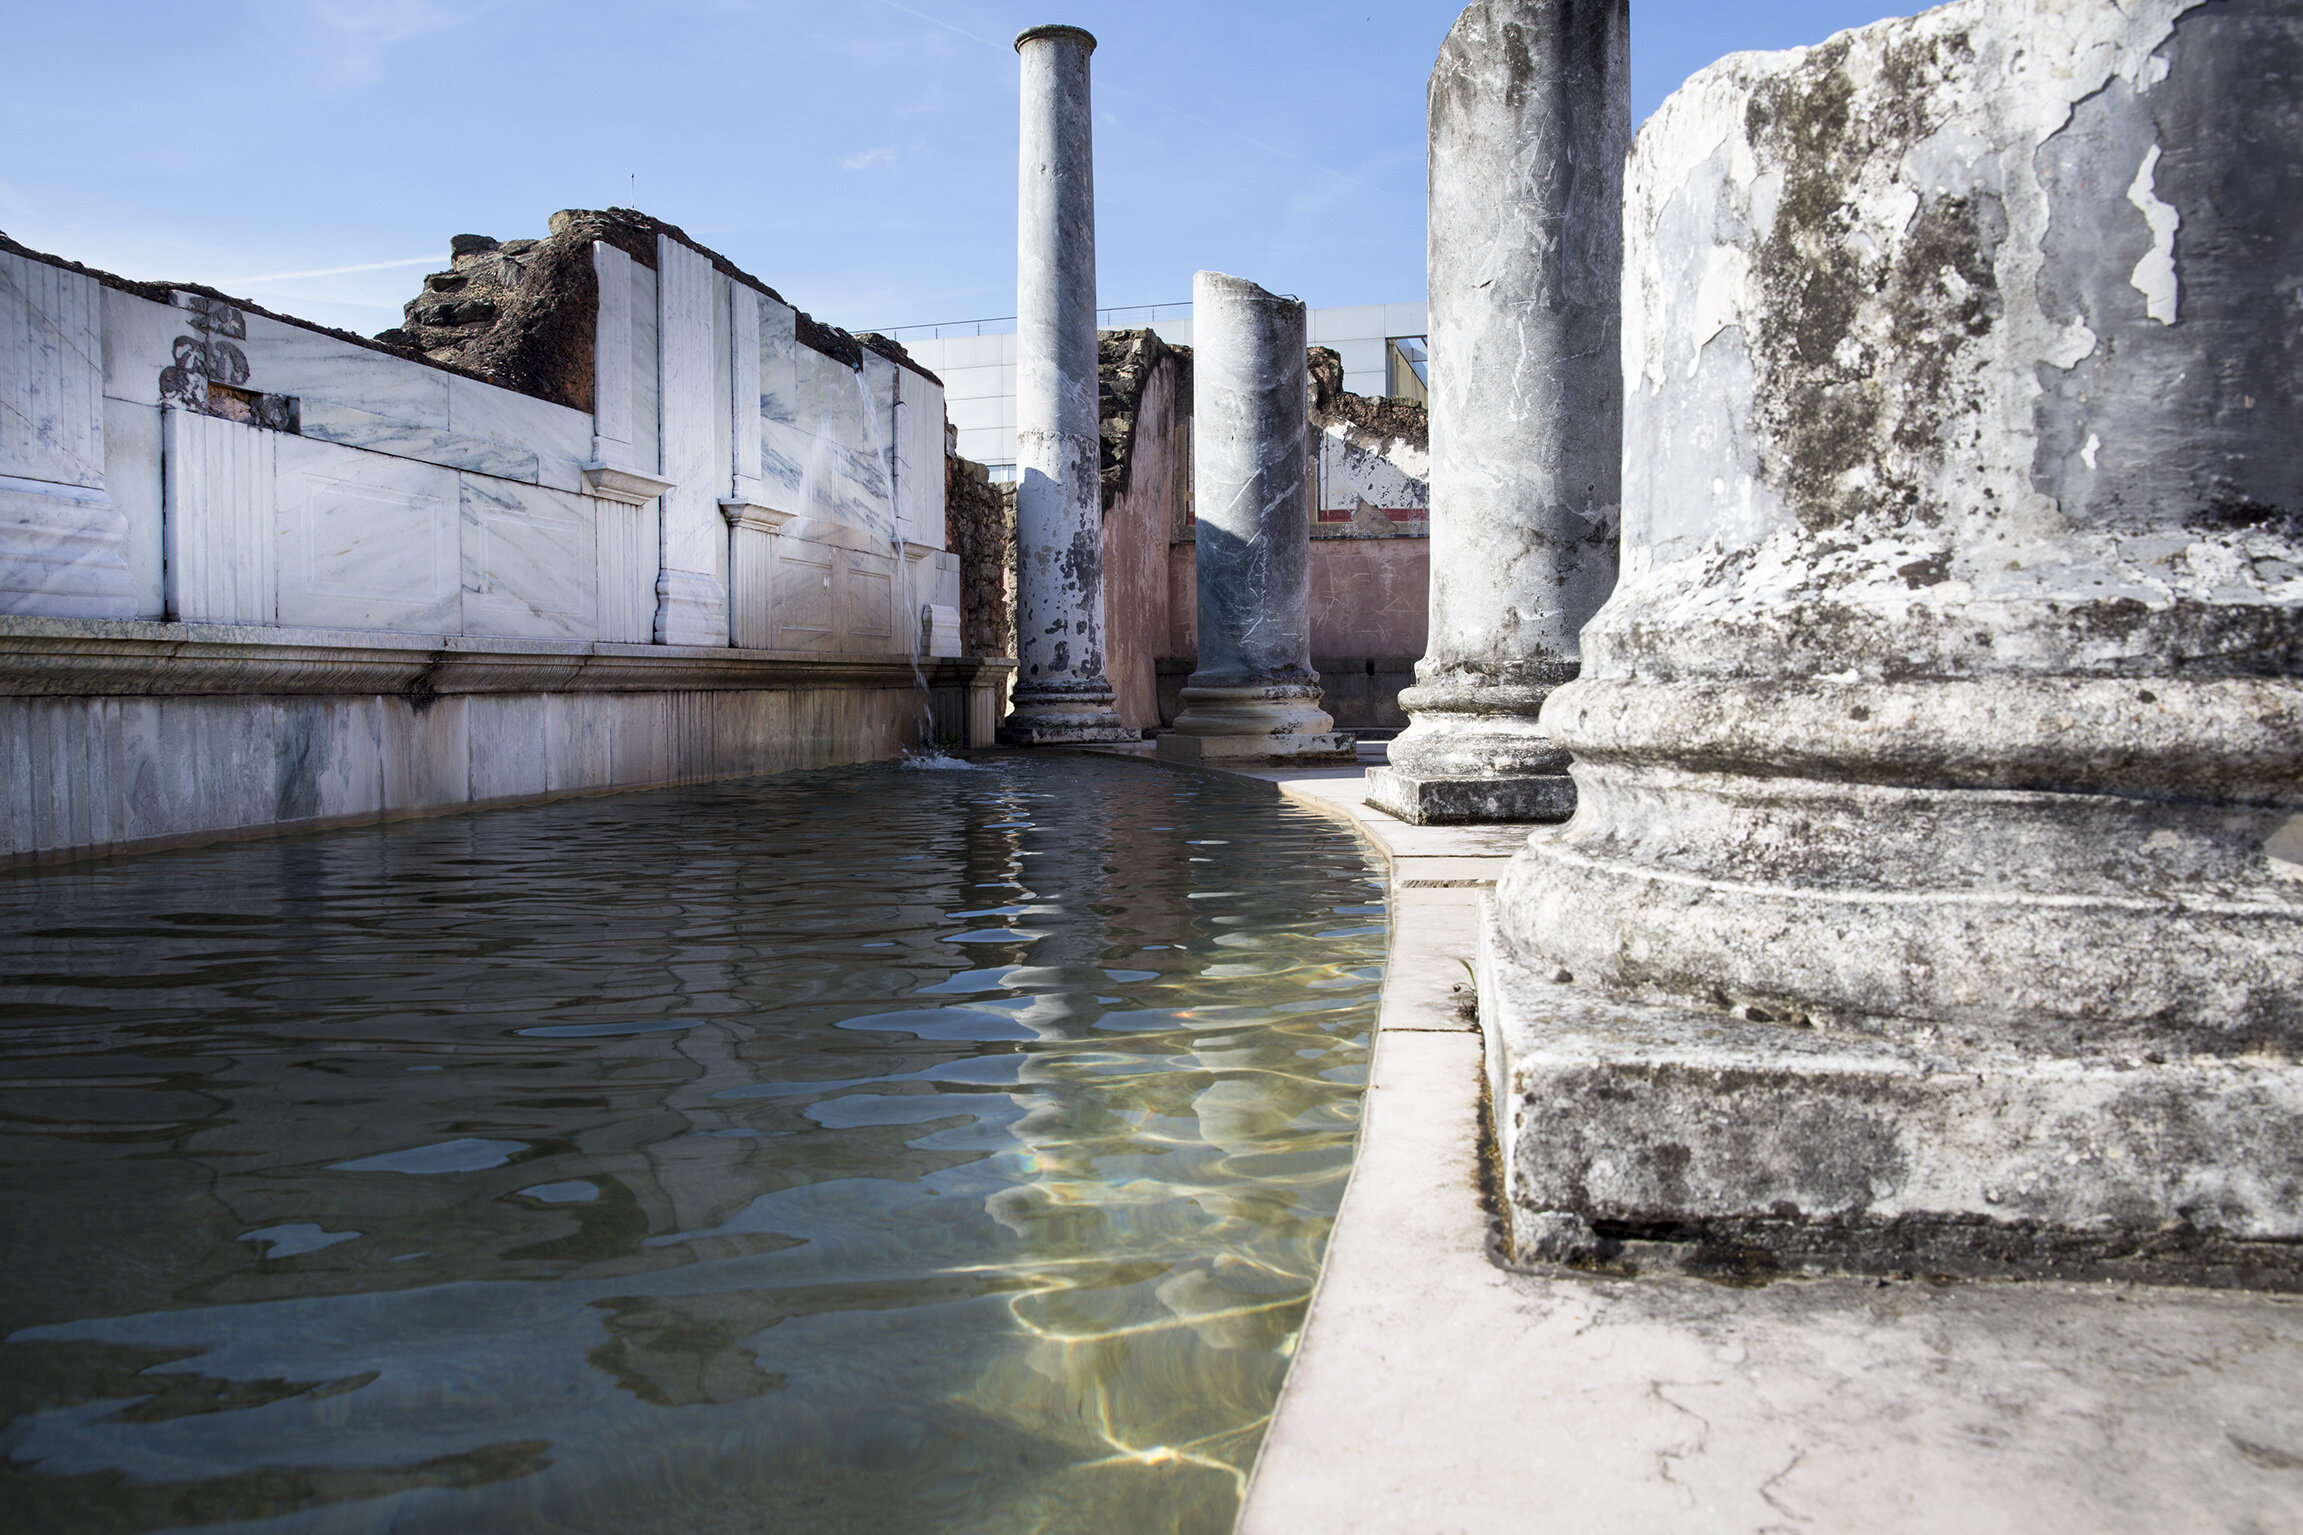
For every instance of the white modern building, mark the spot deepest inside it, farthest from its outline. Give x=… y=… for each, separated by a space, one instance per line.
x=1382 y=347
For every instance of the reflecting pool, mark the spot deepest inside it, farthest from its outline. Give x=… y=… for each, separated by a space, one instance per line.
x=876 y=1150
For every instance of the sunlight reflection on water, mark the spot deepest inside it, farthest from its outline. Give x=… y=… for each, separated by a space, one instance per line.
x=575 y=1168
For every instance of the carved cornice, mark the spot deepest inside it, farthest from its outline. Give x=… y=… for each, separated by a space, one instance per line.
x=59 y=657
x=626 y=485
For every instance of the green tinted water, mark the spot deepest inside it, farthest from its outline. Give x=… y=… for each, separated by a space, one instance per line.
x=879 y=1150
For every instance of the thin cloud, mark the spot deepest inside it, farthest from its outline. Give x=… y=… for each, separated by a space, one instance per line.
x=1232 y=134
x=334 y=271
x=877 y=156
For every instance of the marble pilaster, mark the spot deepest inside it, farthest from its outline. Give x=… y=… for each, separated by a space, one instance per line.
x=691 y=601
x=1530 y=118
x=1253 y=694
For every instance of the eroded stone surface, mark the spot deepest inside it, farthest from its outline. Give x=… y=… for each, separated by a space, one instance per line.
x=1061 y=694
x=1950 y=701
x=1253 y=692
x=1530 y=118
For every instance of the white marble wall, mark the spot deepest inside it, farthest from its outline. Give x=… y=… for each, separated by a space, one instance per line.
x=222 y=510
x=63 y=539
x=692 y=601
x=407 y=498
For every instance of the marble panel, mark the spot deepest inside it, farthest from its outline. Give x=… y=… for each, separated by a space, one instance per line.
x=132 y=476
x=576 y=742
x=508 y=747
x=428 y=754
x=803 y=610
x=519 y=422
x=627 y=552
x=779 y=363
x=743 y=414
x=611 y=358
x=530 y=561
x=366 y=541
x=692 y=524
x=349 y=427
x=51 y=374
x=867 y=589
x=219 y=520
x=919 y=459
x=751 y=587
x=288 y=359
x=139 y=341
x=647 y=419
x=62 y=552
x=724 y=381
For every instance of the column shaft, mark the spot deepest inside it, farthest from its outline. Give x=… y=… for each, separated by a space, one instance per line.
x=1061 y=694
x=1254 y=693
x=1530 y=118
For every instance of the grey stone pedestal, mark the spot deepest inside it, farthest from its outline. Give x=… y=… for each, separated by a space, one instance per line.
x=1430 y=801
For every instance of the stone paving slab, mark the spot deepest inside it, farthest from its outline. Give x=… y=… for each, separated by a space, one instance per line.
x=1436 y=1389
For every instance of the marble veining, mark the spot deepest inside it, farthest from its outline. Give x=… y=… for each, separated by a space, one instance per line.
x=51 y=374
x=529 y=565
x=366 y=540
x=218 y=516
x=351 y=428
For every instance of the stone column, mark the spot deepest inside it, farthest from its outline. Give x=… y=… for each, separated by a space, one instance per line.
x=1061 y=694
x=1530 y=117
x=1952 y=702
x=1253 y=694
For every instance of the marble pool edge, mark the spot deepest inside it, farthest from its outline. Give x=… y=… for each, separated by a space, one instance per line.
x=1434 y=1388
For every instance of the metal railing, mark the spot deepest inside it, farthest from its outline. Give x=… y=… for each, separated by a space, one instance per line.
x=1130 y=316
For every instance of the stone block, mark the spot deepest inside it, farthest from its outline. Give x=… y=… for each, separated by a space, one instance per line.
x=1428 y=801
x=361 y=540
x=1292 y=747
x=529 y=565
x=1729 y=1142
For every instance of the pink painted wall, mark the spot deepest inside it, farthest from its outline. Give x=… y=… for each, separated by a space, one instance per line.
x=1370 y=597
x=1137 y=527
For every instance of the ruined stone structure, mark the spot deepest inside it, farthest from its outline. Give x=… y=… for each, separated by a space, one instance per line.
x=1253 y=695
x=642 y=527
x=1530 y=117
x=1940 y=757
x=1061 y=694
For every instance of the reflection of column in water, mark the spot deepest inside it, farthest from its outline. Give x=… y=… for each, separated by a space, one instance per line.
x=1131 y=1169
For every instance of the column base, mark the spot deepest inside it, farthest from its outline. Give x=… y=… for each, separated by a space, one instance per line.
x=1066 y=731
x=1427 y=801
x=1636 y=1135
x=1327 y=746
x=691 y=609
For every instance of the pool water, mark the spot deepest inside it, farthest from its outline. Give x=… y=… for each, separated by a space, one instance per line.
x=873 y=1150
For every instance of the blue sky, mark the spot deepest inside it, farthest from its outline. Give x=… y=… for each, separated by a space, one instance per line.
x=858 y=155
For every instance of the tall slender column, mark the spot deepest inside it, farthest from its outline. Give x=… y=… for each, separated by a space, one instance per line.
x=1253 y=694
x=1530 y=117
x=1060 y=693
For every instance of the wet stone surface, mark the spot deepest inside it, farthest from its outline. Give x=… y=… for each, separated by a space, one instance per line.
x=876 y=1150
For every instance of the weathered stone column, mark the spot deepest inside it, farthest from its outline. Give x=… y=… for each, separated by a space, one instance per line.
x=1060 y=692
x=1952 y=702
x=1253 y=694
x=1530 y=117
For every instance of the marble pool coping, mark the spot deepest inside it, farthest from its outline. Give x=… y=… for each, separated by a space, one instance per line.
x=1437 y=1389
